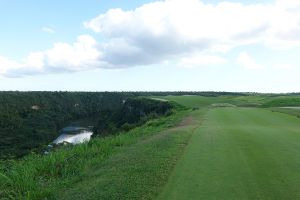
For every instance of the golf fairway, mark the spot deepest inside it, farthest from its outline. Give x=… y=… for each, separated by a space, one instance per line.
x=239 y=153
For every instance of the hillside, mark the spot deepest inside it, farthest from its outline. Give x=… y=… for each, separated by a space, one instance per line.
x=51 y=176
x=31 y=120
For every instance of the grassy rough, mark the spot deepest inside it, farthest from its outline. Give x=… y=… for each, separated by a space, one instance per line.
x=283 y=101
x=139 y=171
x=41 y=177
x=295 y=111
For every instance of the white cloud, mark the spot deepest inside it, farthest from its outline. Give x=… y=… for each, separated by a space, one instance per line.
x=170 y=30
x=176 y=26
x=245 y=60
x=173 y=28
x=201 y=60
x=6 y=64
x=79 y=56
x=48 y=30
x=284 y=66
x=82 y=55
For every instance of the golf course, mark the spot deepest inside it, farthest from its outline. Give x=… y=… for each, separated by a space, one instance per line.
x=223 y=147
x=231 y=152
x=150 y=100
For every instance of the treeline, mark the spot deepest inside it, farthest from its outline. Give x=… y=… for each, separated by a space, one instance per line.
x=214 y=94
x=197 y=93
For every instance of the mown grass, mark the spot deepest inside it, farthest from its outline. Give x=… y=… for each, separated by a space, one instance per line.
x=239 y=153
x=203 y=101
x=265 y=101
x=41 y=177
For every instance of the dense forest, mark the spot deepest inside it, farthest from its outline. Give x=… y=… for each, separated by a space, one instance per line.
x=30 y=120
x=134 y=112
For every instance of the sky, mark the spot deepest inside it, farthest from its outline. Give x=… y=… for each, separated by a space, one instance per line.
x=144 y=45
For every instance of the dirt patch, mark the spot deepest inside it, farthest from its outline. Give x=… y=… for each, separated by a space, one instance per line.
x=187 y=121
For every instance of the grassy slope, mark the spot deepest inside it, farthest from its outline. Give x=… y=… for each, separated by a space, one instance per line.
x=110 y=168
x=240 y=154
x=282 y=101
x=290 y=111
x=138 y=171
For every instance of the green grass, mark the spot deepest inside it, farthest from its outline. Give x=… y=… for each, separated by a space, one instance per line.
x=44 y=177
x=202 y=101
x=217 y=151
x=282 y=101
x=139 y=171
x=295 y=111
x=196 y=101
x=241 y=101
x=239 y=153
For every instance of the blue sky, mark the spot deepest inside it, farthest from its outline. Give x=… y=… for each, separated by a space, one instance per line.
x=172 y=45
x=22 y=22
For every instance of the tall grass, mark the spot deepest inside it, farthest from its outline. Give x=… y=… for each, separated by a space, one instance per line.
x=39 y=177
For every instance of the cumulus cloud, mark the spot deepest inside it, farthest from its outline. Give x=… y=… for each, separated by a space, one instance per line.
x=171 y=30
x=201 y=60
x=245 y=60
x=6 y=64
x=62 y=57
x=160 y=30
